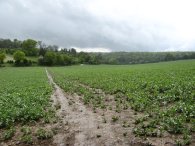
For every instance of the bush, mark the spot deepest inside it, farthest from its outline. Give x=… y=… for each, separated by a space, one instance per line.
x=2 y=57
x=10 y=61
x=19 y=56
x=24 y=62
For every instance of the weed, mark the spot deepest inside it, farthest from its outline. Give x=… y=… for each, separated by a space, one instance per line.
x=27 y=139
x=9 y=133
x=115 y=118
x=44 y=134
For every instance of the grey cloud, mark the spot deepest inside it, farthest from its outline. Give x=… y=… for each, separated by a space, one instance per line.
x=69 y=24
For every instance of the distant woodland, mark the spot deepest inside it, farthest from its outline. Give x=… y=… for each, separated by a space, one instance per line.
x=51 y=55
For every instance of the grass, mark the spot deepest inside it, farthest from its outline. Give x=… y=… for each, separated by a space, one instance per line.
x=10 y=57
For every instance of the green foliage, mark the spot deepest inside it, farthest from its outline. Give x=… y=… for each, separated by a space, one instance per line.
x=9 y=133
x=44 y=134
x=50 y=58
x=29 y=47
x=24 y=95
x=164 y=92
x=27 y=139
x=143 y=57
x=19 y=56
x=115 y=118
x=26 y=130
x=2 y=57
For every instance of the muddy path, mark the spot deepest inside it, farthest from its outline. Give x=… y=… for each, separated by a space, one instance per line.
x=79 y=125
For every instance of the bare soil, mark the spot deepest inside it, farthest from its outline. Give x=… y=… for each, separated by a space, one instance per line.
x=81 y=125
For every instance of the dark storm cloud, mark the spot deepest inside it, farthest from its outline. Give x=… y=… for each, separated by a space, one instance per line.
x=70 y=24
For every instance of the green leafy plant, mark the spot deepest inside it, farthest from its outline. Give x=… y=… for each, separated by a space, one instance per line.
x=9 y=133
x=44 y=134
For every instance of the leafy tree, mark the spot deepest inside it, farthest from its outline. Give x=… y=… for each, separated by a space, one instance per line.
x=5 y=43
x=94 y=60
x=73 y=51
x=2 y=57
x=19 y=56
x=42 y=51
x=29 y=47
x=67 y=59
x=169 y=57
x=50 y=58
x=42 y=48
x=53 y=48
x=16 y=43
x=84 y=57
x=59 y=59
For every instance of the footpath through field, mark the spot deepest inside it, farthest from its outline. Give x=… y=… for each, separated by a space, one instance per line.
x=80 y=126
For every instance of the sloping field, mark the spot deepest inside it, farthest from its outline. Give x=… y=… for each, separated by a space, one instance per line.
x=152 y=101
x=150 y=104
x=24 y=105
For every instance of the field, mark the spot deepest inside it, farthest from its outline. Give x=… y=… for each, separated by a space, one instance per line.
x=154 y=104
x=163 y=92
x=24 y=98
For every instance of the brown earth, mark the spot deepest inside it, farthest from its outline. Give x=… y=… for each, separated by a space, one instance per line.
x=81 y=125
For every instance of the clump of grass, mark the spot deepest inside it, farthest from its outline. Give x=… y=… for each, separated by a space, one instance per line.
x=125 y=124
x=27 y=139
x=43 y=134
x=26 y=130
x=8 y=134
x=115 y=118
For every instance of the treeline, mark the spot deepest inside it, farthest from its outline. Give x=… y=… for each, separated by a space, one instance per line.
x=47 y=54
x=144 y=57
x=51 y=55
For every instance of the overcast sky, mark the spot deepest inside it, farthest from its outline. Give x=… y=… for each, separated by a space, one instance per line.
x=102 y=25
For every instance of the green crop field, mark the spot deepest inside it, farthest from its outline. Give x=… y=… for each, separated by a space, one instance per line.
x=163 y=92
x=24 y=98
x=161 y=97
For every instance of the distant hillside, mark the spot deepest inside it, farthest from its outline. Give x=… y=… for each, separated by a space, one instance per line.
x=142 y=57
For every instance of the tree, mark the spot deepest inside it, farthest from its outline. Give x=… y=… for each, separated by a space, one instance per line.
x=49 y=58
x=16 y=43
x=59 y=59
x=29 y=47
x=67 y=59
x=73 y=51
x=53 y=48
x=2 y=57
x=19 y=56
x=42 y=48
x=42 y=51
x=169 y=57
x=84 y=57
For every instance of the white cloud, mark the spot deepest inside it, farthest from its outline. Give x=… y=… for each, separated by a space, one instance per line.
x=104 y=25
x=92 y=49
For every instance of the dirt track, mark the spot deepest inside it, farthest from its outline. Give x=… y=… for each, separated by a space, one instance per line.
x=81 y=126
